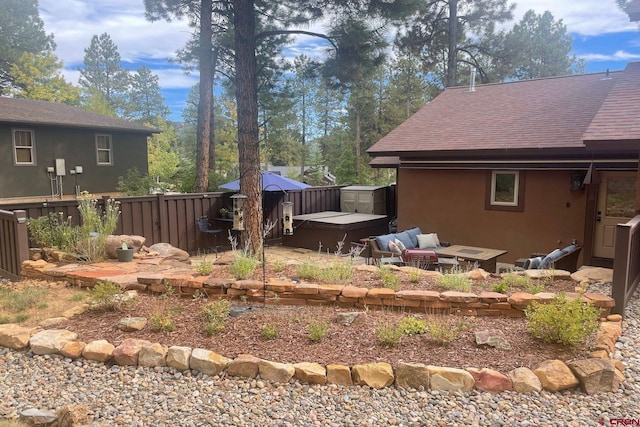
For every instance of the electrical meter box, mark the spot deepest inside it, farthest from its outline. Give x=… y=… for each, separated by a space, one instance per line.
x=366 y=199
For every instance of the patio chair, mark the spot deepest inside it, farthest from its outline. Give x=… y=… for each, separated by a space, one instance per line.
x=203 y=226
x=560 y=259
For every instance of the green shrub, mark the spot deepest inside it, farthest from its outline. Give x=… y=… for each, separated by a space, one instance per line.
x=515 y=280
x=106 y=296
x=337 y=272
x=441 y=332
x=54 y=231
x=535 y=287
x=412 y=325
x=214 y=316
x=388 y=278
x=309 y=271
x=19 y=301
x=566 y=321
x=205 y=267
x=269 y=332
x=162 y=322
x=501 y=288
x=317 y=331
x=388 y=335
x=455 y=281
x=415 y=275
x=278 y=266
x=243 y=266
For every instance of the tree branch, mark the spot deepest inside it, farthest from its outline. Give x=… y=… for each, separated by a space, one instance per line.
x=284 y=32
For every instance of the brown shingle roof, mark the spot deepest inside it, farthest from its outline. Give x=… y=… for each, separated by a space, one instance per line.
x=27 y=111
x=532 y=114
x=619 y=116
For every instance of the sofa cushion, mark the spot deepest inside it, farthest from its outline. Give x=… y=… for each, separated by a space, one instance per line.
x=428 y=241
x=395 y=249
x=413 y=234
x=405 y=238
x=569 y=249
x=399 y=244
x=383 y=241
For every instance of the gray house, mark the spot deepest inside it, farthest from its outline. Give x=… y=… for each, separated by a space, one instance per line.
x=50 y=150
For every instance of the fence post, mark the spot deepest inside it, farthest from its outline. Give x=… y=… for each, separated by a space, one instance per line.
x=162 y=218
x=22 y=237
x=620 y=280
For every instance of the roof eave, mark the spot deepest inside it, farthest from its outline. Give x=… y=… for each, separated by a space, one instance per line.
x=147 y=131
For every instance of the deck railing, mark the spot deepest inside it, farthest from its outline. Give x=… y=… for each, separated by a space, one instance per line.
x=626 y=263
x=14 y=242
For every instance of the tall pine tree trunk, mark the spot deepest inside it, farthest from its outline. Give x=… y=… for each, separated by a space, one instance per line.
x=206 y=96
x=452 y=58
x=358 y=154
x=212 y=124
x=248 y=142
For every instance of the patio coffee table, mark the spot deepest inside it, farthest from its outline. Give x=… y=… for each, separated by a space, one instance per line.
x=485 y=257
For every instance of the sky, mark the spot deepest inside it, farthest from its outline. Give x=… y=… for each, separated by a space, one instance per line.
x=602 y=35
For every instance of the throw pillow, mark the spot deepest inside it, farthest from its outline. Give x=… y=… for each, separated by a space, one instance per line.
x=400 y=245
x=428 y=241
x=394 y=248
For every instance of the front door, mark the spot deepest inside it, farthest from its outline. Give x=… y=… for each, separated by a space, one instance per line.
x=616 y=205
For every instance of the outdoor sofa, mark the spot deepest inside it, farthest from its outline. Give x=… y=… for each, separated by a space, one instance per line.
x=411 y=246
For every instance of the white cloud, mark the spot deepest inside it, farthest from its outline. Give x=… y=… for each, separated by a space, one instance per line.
x=619 y=55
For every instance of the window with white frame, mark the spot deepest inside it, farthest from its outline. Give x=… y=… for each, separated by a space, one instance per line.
x=504 y=188
x=23 y=147
x=104 y=149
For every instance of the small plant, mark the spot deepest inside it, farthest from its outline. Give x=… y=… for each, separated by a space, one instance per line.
x=535 y=288
x=566 y=321
x=317 y=331
x=124 y=246
x=389 y=279
x=269 y=332
x=278 y=266
x=441 y=332
x=198 y=294
x=412 y=325
x=205 y=267
x=162 y=322
x=243 y=266
x=337 y=272
x=17 y=302
x=214 y=316
x=105 y=296
x=414 y=275
x=501 y=288
x=455 y=281
x=388 y=335
x=77 y=297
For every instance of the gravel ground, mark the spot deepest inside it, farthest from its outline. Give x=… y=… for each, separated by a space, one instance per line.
x=124 y=396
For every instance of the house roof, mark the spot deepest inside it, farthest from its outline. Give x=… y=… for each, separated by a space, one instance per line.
x=619 y=116
x=30 y=112
x=503 y=119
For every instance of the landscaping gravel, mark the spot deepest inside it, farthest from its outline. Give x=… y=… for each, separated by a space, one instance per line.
x=128 y=396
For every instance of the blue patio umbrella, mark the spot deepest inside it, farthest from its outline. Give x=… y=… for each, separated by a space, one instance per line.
x=270 y=182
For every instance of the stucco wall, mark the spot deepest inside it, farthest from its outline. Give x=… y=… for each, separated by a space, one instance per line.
x=452 y=203
x=78 y=148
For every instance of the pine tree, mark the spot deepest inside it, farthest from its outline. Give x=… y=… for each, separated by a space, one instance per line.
x=144 y=102
x=37 y=76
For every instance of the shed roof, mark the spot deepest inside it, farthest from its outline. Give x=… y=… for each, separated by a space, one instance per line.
x=527 y=116
x=30 y=112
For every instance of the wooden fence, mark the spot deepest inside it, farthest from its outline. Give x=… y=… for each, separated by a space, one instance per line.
x=159 y=218
x=626 y=263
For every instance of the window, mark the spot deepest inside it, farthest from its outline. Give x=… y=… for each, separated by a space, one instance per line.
x=505 y=191
x=23 y=147
x=103 y=149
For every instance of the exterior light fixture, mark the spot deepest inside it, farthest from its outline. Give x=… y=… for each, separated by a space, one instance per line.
x=238 y=211
x=287 y=220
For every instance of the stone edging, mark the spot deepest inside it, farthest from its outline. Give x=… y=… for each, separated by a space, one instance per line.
x=594 y=375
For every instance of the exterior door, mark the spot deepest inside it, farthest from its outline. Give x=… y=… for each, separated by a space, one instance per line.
x=616 y=205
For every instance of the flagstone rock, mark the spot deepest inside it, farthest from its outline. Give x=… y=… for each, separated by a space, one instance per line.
x=354 y=292
x=350 y=318
x=490 y=380
x=50 y=322
x=493 y=338
x=51 y=341
x=38 y=417
x=412 y=375
x=127 y=353
x=15 y=336
x=593 y=275
x=525 y=380
x=245 y=365
x=73 y=349
x=312 y=373
x=165 y=249
x=595 y=375
x=521 y=299
x=178 y=357
x=130 y=324
x=549 y=273
x=74 y=311
x=450 y=379
x=555 y=376
x=208 y=362
x=276 y=372
x=100 y=350
x=339 y=374
x=152 y=355
x=477 y=274
x=375 y=375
